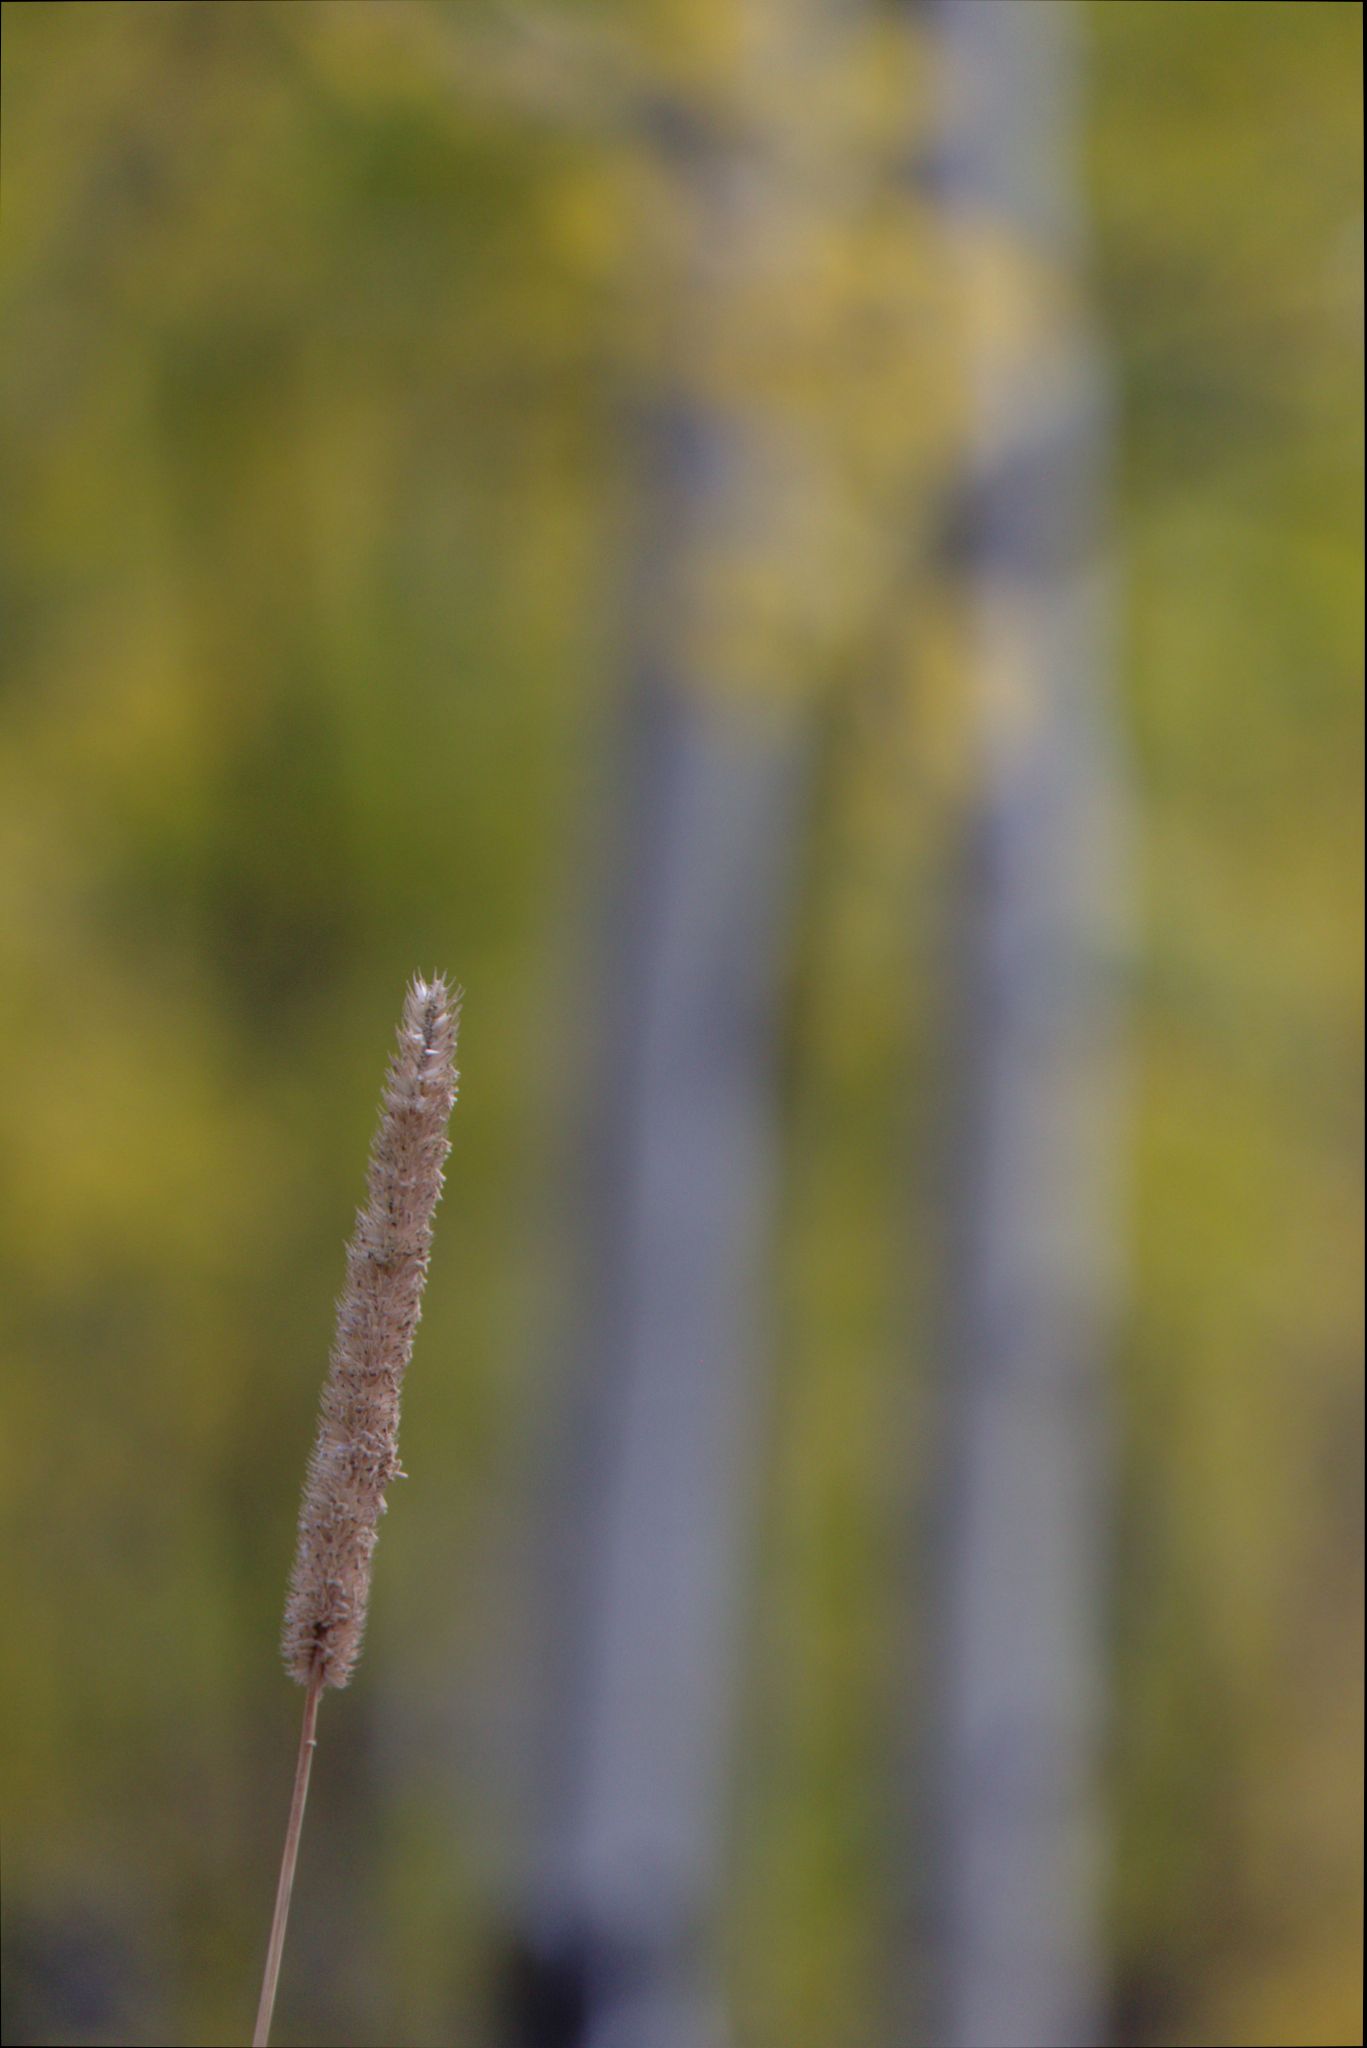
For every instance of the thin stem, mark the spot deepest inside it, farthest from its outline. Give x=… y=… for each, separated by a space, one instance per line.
x=307 y=1743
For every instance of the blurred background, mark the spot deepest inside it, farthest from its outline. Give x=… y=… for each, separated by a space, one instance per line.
x=810 y=555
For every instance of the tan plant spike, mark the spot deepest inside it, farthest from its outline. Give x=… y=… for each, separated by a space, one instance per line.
x=356 y=1452
x=357 y=1449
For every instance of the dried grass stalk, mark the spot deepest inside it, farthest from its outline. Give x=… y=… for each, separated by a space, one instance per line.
x=357 y=1450
x=356 y=1453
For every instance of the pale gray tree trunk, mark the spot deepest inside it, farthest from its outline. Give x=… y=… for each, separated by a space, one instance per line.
x=650 y=1513
x=656 y=1523
x=1013 y=1870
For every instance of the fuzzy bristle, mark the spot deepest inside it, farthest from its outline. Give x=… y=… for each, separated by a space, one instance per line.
x=356 y=1452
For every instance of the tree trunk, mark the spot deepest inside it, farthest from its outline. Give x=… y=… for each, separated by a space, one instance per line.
x=1019 y=1560
x=651 y=1511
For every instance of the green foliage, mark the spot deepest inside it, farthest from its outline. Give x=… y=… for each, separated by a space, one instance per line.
x=1227 y=174
x=315 y=323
